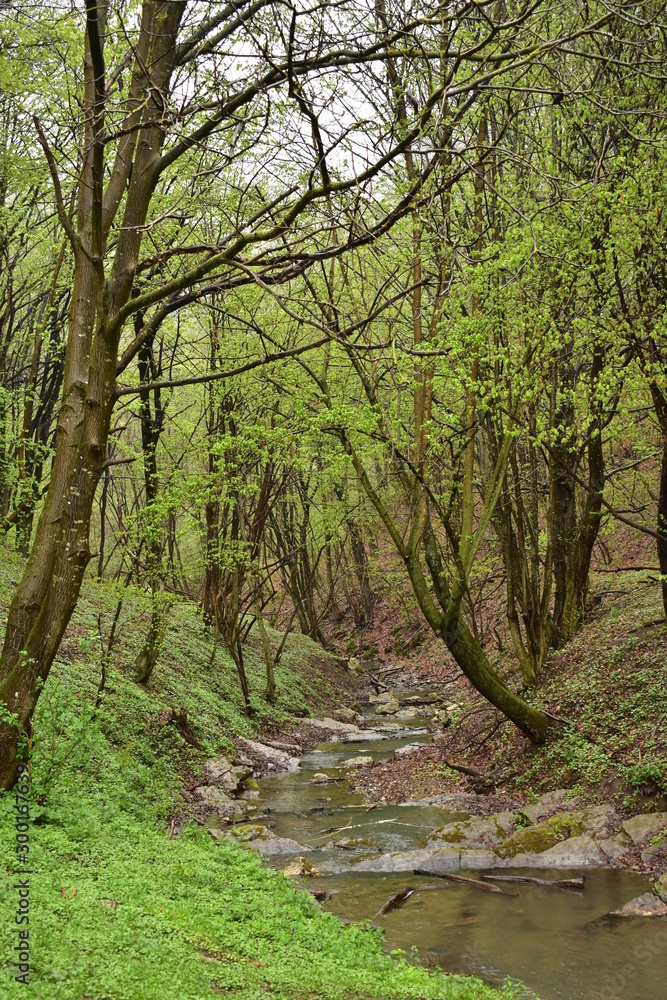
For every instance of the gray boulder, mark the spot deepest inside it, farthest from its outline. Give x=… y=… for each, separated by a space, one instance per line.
x=640 y=828
x=476 y=831
x=261 y=839
x=346 y=715
x=380 y=699
x=555 y=801
x=390 y=707
x=217 y=799
x=445 y=859
x=213 y=796
x=577 y=852
x=270 y=757
x=335 y=724
x=597 y=821
x=615 y=847
x=646 y=905
x=354 y=762
x=365 y=736
x=221 y=773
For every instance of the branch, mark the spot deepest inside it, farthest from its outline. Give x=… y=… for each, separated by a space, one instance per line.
x=131 y=390
x=53 y=170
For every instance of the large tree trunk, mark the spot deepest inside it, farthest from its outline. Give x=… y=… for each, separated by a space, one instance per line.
x=49 y=588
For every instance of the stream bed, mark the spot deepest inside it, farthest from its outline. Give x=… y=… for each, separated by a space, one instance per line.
x=560 y=943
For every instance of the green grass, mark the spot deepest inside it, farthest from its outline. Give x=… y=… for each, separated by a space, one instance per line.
x=119 y=911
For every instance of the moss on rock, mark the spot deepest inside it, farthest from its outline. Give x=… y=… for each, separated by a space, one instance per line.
x=542 y=836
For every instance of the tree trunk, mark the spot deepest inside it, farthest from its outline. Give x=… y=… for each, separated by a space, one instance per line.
x=574 y=540
x=270 y=693
x=662 y=524
x=148 y=655
x=474 y=663
x=49 y=588
x=660 y=406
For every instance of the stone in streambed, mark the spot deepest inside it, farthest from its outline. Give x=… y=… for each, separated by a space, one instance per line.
x=541 y=837
x=381 y=699
x=217 y=799
x=352 y=843
x=221 y=773
x=270 y=757
x=301 y=866
x=355 y=762
x=476 y=831
x=346 y=715
x=260 y=838
x=446 y=859
x=646 y=905
x=321 y=779
x=640 y=828
x=389 y=708
x=329 y=723
x=597 y=821
x=615 y=847
x=577 y=852
x=477 y=859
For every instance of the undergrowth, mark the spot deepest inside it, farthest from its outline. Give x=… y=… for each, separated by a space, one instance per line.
x=119 y=910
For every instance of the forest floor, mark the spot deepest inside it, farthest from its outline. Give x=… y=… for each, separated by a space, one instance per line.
x=120 y=909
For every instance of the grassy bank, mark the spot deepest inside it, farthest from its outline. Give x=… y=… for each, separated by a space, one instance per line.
x=119 y=911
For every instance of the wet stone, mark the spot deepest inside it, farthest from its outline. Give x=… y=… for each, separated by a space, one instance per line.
x=390 y=707
x=445 y=859
x=354 y=762
x=646 y=905
x=301 y=866
x=476 y=831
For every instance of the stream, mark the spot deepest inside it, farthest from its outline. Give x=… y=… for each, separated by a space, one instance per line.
x=559 y=943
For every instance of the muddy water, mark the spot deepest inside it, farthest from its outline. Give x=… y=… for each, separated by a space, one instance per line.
x=557 y=942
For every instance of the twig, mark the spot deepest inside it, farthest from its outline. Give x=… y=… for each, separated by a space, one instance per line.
x=559 y=883
x=462 y=878
x=394 y=900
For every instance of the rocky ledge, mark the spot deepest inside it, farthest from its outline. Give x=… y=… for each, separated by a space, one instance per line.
x=552 y=832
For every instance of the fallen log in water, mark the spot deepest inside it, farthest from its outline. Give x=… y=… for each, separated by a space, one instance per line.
x=463 y=879
x=394 y=900
x=557 y=883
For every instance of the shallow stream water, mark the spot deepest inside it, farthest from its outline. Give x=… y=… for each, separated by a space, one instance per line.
x=559 y=943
